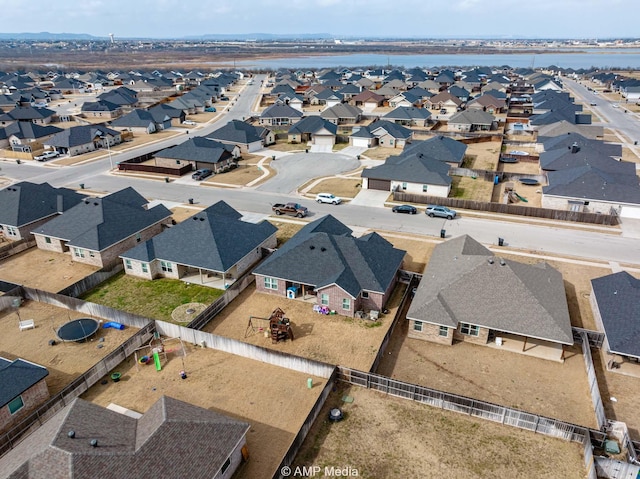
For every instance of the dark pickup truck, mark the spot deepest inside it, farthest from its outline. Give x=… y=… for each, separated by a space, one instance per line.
x=293 y=209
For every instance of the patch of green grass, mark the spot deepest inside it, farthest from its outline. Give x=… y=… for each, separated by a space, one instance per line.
x=153 y=299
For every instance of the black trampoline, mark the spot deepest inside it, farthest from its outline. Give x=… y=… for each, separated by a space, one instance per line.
x=78 y=330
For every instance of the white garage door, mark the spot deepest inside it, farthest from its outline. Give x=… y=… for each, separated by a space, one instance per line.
x=630 y=212
x=361 y=142
x=323 y=140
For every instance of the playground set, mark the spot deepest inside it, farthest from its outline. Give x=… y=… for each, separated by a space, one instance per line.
x=156 y=351
x=279 y=327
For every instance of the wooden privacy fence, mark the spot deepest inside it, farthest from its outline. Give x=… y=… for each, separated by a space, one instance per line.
x=594 y=338
x=291 y=453
x=78 y=386
x=246 y=350
x=471 y=407
x=16 y=247
x=78 y=288
x=596 y=399
x=547 y=213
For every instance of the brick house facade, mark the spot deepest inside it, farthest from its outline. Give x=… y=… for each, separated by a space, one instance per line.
x=31 y=399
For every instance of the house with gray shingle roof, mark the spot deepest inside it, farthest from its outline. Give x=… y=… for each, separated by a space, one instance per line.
x=280 y=115
x=101 y=109
x=83 y=139
x=143 y=121
x=390 y=134
x=468 y=294
x=489 y=103
x=248 y=138
x=127 y=447
x=408 y=116
x=221 y=245
x=200 y=152
x=441 y=148
x=314 y=130
x=22 y=133
x=615 y=302
x=472 y=120
x=342 y=114
x=26 y=206
x=97 y=230
x=323 y=260
x=24 y=388
x=40 y=116
x=177 y=116
x=412 y=173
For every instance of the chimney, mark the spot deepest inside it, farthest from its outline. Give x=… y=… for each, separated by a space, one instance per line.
x=59 y=204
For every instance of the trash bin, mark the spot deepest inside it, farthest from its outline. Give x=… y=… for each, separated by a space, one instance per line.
x=306 y=150
x=190 y=201
x=443 y=233
x=82 y=186
x=500 y=241
x=166 y=179
x=635 y=142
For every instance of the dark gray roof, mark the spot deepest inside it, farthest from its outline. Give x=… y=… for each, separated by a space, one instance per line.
x=17 y=376
x=218 y=239
x=238 y=132
x=281 y=111
x=168 y=110
x=25 y=202
x=29 y=113
x=313 y=124
x=140 y=118
x=411 y=168
x=460 y=285
x=98 y=223
x=26 y=130
x=368 y=263
x=618 y=299
x=565 y=142
x=393 y=129
x=472 y=117
x=440 y=147
x=100 y=105
x=202 y=150
x=177 y=438
x=341 y=110
x=80 y=135
x=407 y=113
x=562 y=159
x=121 y=96
x=590 y=183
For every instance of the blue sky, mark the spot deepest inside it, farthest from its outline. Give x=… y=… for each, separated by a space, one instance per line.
x=354 y=18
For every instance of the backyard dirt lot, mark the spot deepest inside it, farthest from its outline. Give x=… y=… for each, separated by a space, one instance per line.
x=275 y=401
x=418 y=248
x=485 y=155
x=44 y=270
x=65 y=360
x=386 y=437
x=534 y=385
x=333 y=339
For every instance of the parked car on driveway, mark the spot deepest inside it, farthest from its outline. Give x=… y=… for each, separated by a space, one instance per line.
x=440 y=211
x=47 y=155
x=211 y=109
x=328 y=198
x=189 y=122
x=408 y=209
x=201 y=174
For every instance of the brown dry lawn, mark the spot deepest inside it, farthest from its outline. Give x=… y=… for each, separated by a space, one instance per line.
x=629 y=155
x=342 y=187
x=485 y=154
x=181 y=213
x=333 y=339
x=465 y=187
x=291 y=147
x=381 y=153
x=418 y=250
x=66 y=360
x=534 y=385
x=274 y=401
x=239 y=176
x=527 y=167
x=387 y=437
x=44 y=270
x=286 y=229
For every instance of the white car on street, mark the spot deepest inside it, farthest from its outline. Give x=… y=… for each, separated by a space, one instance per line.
x=47 y=155
x=328 y=198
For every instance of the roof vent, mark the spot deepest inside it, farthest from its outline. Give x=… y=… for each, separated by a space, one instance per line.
x=71 y=434
x=93 y=443
x=195 y=218
x=323 y=249
x=490 y=260
x=312 y=247
x=201 y=219
x=96 y=203
x=502 y=262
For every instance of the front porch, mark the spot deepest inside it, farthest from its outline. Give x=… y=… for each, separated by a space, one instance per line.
x=536 y=348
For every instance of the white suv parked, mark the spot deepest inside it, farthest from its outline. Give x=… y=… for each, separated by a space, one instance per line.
x=328 y=198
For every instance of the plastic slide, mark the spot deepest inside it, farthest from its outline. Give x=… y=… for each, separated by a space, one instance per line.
x=156 y=360
x=521 y=198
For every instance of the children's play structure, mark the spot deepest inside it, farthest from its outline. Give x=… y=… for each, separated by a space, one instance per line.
x=156 y=351
x=279 y=327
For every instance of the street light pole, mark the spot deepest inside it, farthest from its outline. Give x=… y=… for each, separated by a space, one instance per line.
x=109 y=150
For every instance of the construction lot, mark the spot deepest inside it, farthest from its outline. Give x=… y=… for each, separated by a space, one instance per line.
x=44 y=270
x=332 y=339
x=384 y=436
x=274 y=401
x=65 y=361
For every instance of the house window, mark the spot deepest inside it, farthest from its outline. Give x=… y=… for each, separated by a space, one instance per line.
x=444 y=331
x=47 y=240
x=138 y=238
x=226 y=465
x=145 y=267
x=424 y=188
x=11 y=231
x=127 y=263
x=78 y=252
x=166 y=266
x=346 y=303
x=270 y=283
x=324 y=299
x=404 y=186
x=469 y=329
x=365 y=295
x=15 y=405
x=417 y=326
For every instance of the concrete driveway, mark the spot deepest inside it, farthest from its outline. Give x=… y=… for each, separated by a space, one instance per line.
x=295 y=170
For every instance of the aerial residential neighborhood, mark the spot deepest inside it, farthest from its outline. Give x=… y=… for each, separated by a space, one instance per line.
x=205 y=270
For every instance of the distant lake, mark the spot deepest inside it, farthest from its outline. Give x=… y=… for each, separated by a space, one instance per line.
x=623 y=58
